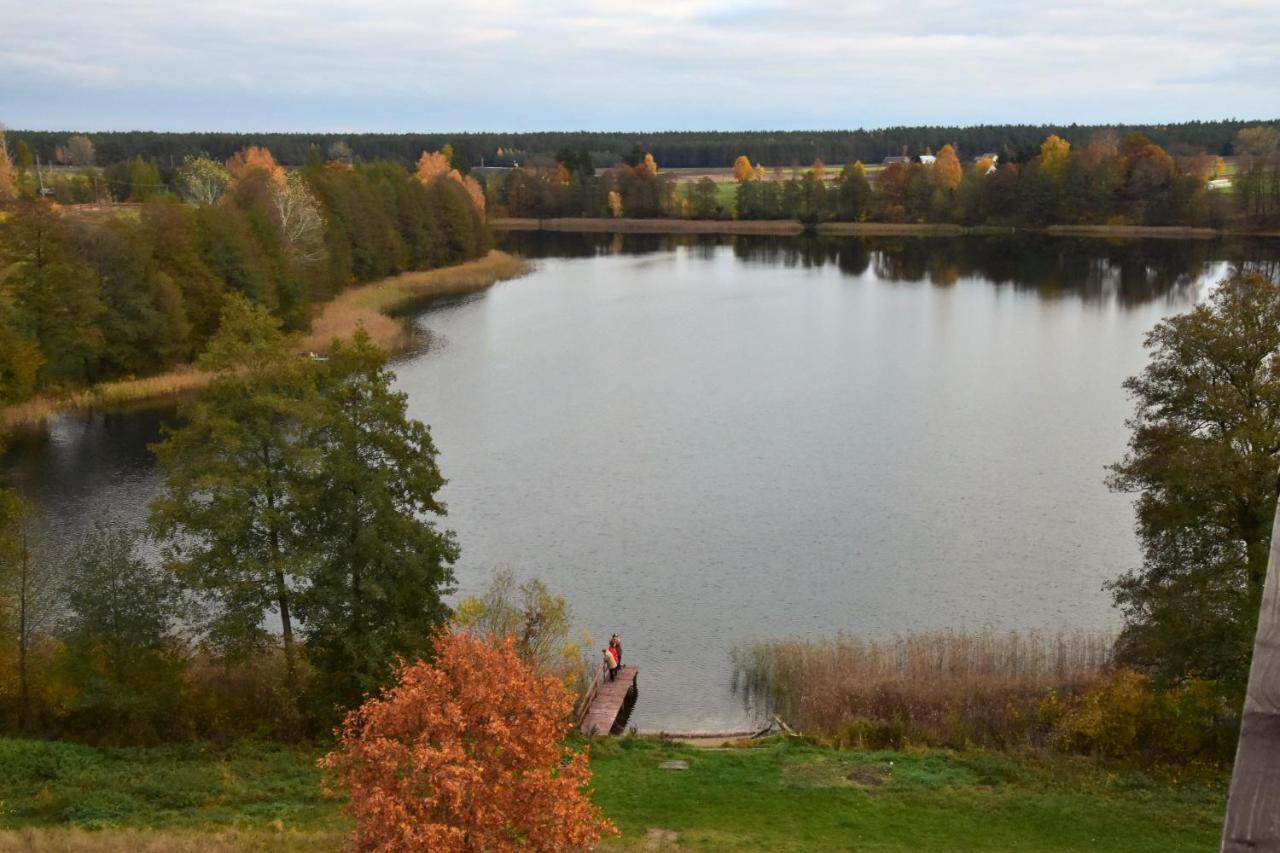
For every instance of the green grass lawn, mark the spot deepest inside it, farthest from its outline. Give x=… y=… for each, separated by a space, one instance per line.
x=779 y=796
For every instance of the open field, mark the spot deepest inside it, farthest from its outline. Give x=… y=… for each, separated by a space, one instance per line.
x=373 y=304
x=775 y=795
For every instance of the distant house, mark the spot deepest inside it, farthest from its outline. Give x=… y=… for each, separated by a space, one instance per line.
x=889 y=161
x=1220 y=184
x=927 y=159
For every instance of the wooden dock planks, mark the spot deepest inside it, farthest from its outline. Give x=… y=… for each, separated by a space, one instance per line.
x=609 y=701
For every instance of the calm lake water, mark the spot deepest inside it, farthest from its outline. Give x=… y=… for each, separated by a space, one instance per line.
x=705 y=441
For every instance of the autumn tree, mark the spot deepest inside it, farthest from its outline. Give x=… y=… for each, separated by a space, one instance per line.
x=340 y=152
x=1202 y=459
x=298 y=216
x=541 y=623
x=80 y=151
x=1053 y=155
x=201 y=180
x=254 y=159
x=947 y=172
x=743 y=171
x=438 y=164
x=8 y=183
x=464 y=754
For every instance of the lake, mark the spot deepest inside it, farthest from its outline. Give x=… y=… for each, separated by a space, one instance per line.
x=701 y=441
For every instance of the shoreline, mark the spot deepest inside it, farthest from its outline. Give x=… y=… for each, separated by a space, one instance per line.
x=375 y=304
x=791 y=228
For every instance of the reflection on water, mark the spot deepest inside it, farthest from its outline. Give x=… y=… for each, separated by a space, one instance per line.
x=700 y=441
x=1130 y=272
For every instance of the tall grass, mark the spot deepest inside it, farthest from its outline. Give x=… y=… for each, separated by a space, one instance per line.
x=941 y=689
x=375 y=305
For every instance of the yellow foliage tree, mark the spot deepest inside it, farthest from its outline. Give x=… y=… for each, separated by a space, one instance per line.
x=742 y=170
x=436 y=164
x=1053 y=155
x=432 y=165
x=650 y=165
x=8 y=188
x=759 y=172
x=946 y=169
x=615 y=203
x=819 y=170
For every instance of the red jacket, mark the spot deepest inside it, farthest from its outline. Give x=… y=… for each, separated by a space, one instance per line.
x=616 y=645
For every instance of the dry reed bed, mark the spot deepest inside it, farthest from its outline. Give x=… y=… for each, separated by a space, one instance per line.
x=375 y=304
x=371 y=304
x=941 y=689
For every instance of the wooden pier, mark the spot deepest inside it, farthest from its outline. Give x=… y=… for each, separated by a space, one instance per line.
x=606 y=704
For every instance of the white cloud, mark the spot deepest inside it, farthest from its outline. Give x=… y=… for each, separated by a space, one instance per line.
x=696 y=63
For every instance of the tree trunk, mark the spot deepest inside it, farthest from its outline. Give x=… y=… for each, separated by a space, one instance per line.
x=24 y=599
x=1253 y=807
x=282 y=587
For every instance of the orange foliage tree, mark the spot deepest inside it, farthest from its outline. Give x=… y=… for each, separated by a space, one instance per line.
x=438 y=164
x=743 y=171
x=253 y=159
x=465 y=753
x=946 y=169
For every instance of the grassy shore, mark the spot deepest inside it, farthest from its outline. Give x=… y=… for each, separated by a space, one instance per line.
x=374 y=304
x=777 y=795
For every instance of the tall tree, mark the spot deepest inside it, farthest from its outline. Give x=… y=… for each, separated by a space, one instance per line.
x=228 y=506
x=380 y=564
x=28 y=596
x=1202 y=458
x=53 y=294
x=947 y=173
x=123 y=654
x=201 y=180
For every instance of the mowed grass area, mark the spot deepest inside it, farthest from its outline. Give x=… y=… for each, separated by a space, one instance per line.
x=780 y=795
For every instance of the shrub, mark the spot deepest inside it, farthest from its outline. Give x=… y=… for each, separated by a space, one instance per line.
x=464 y=753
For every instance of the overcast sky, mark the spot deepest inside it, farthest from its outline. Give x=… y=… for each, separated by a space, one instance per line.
x=380 y=65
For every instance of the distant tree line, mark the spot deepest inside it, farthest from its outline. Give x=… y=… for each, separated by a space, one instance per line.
x=86 y=297
x=675 y=149
x=1107 y=180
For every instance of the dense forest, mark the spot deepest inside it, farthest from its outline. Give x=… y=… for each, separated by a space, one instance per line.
x=86 y=298
x=674 y=149
x=1106 y=180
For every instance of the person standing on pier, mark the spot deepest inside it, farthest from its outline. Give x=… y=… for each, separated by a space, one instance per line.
x=615 y=645
x=611 y=663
